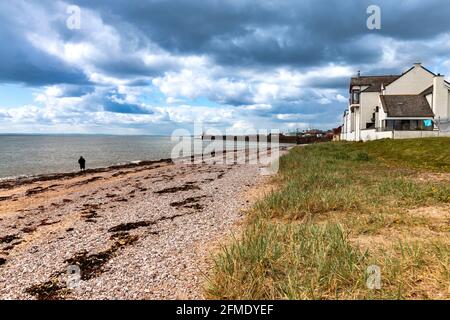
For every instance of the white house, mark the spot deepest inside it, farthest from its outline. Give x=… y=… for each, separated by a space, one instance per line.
x=414 y=104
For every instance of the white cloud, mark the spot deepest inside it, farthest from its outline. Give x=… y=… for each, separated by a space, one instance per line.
x=341 y=98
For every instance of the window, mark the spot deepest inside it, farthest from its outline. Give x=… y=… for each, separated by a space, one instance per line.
x=390 y=124
x=409 y=125
x=355 y=97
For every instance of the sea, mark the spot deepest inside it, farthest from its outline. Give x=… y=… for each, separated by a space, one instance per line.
x=28 y=155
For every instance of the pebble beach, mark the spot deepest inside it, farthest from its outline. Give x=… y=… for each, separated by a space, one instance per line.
x=145 y=231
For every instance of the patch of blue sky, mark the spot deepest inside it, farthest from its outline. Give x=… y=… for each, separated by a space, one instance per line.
x=15 y=95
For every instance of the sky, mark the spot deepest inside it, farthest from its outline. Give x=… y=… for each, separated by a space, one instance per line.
x=152 y=67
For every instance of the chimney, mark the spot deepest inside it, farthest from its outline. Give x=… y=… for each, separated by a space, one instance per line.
x=417 y=64
x=440 y=97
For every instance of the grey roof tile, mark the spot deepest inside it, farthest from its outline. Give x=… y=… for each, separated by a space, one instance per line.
x=406 y=106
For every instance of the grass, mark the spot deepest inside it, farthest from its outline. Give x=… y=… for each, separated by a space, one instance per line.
x=339 y=208
x=430 y=154
x=288 y=262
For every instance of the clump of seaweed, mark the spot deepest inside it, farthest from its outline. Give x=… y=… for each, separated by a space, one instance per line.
x=9 y=238
x=130 y=226
x=49 y=290
x=91 y=265
x=184 y=187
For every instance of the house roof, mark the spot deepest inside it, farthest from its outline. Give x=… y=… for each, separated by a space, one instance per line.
x=374 y=82
x=427 y=91
x=406 y=106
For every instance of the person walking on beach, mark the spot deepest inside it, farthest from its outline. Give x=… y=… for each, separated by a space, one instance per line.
x=82 y=163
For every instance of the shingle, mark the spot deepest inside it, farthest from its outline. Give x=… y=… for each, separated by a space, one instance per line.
x=374 y=82
x=427 y=91
x=406 y=106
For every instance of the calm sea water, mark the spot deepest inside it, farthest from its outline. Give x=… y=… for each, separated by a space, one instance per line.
x=37 y=154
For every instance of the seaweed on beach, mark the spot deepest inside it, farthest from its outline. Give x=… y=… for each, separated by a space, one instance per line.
x=119 y=235
x=119 y=173
x=130 y=226
x=184 y=187
x=44 y=222
x=5 y=198
x=167 y=177
x=91 y=206
x=189 y=203
x=49 y=290
x=221 y=174
x=9 y=238
x=91 y=214
x=35 y=190
x=2 y=261
x=91 y=265
x=12 y=245
x=83 y=182
x=29 y=229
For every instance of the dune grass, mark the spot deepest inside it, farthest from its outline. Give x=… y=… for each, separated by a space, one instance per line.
x=338 y=209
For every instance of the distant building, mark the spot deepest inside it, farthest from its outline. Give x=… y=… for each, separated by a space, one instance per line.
x=337 y=133
x=413 y=104
x=314 y=133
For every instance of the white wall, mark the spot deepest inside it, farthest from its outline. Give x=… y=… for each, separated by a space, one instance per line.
x=372 y=134
x=429 y=99
x=440 y=97
x=369 y=100
x=413 y=82
x=419 y=134
x=357 y=123
x=381 y=115
x=369 y=135
x=448 y=105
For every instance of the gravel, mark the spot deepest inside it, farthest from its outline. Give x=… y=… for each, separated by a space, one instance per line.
x=138 y=243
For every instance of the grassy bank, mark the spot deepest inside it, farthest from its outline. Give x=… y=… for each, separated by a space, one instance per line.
x=338 y=209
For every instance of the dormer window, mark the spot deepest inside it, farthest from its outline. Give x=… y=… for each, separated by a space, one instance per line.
x=355 y=96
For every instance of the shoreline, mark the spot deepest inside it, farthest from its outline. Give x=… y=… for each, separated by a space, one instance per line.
x=11 y=182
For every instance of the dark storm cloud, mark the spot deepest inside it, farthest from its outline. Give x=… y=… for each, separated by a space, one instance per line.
x=300 y=34
x=21 y=62
x=127 y=67
x=329 y=83
x=247 y=32
x=115 y=102
x=297 y=33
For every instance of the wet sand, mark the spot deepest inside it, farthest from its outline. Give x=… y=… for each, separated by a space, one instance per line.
x=141 y=231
